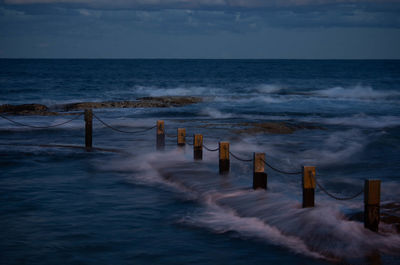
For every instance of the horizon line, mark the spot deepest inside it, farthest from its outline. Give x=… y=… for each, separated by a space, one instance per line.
x=163 y=58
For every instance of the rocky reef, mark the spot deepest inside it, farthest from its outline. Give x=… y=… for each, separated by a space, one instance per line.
x=26 y=109
x=145 y=102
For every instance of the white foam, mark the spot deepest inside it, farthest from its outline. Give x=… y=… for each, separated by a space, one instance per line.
x=335 y=148
x=216 y=114
x=177 y=91
x=268 y=88
x=266 y=99
x=320 y=232
x=356 y=92
x=338 y=147
x=252 y=98
x=358 y=120
x=274 y=217
x=222 y=220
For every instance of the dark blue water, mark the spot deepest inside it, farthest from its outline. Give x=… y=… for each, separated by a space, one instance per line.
x=67 y=206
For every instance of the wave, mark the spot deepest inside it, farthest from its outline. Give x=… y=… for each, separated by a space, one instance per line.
x=340 y=147
x=265 y=93
x=320 y=232
x=351 y=92
x=250 y=99
x=272 y=217
x=358 y=120
x=177 y=91
x=216 y=114
x=222 y=220
x=199 y=185
x=268 y=88
x=356 y=92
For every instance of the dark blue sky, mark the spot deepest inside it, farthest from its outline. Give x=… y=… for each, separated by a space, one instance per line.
x=310 y=29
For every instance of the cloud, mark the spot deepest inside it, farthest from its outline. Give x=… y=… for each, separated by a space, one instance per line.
x=201 y=28
x=198 y=4
x=92 y=19
x=199 y=21
x=230 y=14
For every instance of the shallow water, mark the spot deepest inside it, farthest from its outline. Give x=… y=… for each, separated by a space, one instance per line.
x=68 y=206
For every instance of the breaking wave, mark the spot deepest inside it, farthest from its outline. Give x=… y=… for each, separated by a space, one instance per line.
x=358 y=120
x=356 y=92
x=273 y=217
x=216 y=114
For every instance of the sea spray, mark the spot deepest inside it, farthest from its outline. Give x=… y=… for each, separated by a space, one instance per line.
x=275 y=216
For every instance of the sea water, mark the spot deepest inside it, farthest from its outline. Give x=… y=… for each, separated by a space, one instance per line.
x=143 y=206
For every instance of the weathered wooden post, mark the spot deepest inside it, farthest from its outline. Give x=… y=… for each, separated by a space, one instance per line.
x=198 y=147
x=308 y=186
x=88 y=128
x=259 y=176
x=181 y=136
x=223 y=157
x=160 y=135
x=372 y=197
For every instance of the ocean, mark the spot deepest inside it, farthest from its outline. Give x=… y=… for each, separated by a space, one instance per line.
x=129 y=203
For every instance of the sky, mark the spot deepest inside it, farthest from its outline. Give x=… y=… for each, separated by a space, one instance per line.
x=220 y=29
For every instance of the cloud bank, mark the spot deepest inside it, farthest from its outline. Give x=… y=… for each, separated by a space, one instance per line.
x=201 y=28
x=200 y=4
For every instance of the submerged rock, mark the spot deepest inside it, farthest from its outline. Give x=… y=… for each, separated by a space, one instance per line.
x=274 y=127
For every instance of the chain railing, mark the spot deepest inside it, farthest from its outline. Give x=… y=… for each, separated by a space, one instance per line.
x=336 y=197
x=259 y=176
x=122 y=131
x=240 y=159
x=281 y=171
x=78 y=115
x=210 y=149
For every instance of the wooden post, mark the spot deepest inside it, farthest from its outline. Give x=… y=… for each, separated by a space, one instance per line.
x=198 y=147
x=259 y=176
x=223 y=157
x=308 y=186
x=181 y=136
x=88 y=128
x=160 y=135
x=372 y=197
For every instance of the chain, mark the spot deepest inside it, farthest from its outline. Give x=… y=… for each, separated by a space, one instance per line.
x=240 y=159
x=338 y=198
x=147 y=129
x=211 y=150
x=281 y=171
x=118 y=130
x=40 y=127
x=66 y=146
